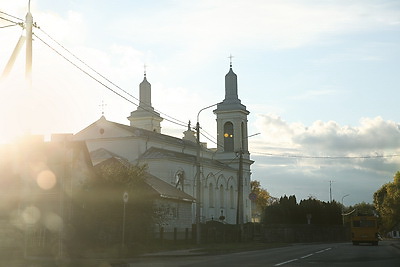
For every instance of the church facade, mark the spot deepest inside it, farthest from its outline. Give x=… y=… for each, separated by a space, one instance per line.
x=224 y=171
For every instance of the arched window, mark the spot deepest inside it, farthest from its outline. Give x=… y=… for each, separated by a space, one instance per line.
x=231 y=198
x=221 y=196
x=211 y=195
x=228 y=137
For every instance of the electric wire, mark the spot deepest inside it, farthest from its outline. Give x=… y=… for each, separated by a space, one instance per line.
x=173 y=120
x=8 y=26
x=324 y=157
x=91 y=76
x=97 y=80
x=9 y=20
x=14 y=17
x=85 y=72
x=226 y=167
x=140 y=106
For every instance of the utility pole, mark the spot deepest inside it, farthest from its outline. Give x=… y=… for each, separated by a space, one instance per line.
x=239 y=210
x=28 y=39
x=28 y=66
x=330 y=191
x=198 y=189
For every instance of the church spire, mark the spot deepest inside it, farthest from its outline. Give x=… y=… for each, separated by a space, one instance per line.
x=145 y=116
x=145 y=93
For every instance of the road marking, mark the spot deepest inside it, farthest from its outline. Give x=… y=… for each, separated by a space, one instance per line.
x=303 y=257
x=282 y=263
x=306 y=256
x=323 y=250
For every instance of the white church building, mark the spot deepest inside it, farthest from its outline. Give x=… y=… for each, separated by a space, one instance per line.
x=174 y=160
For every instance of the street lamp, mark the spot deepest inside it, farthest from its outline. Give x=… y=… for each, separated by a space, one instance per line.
x=125 y=198
x=239 y=210
x=198 y=182
x=343 y=207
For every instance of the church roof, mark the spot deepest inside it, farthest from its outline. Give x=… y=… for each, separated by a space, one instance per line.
x=139 y=132
x=102 y=154
x=166 y=190
x=159 y=153
x=158 y=186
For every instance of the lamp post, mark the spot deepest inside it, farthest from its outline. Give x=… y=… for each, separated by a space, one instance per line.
x=125 y=198
x=198 y=182
x=239 y=210
x=343 y=207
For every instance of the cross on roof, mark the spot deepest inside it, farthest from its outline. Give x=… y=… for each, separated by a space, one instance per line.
x=230 y=60
x=102 y=105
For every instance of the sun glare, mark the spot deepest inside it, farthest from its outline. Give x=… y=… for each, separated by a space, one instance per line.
x=46 y=179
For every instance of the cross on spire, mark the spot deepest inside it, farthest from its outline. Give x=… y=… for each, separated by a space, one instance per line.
x=230 y=60
x=102 y=105
x=145 y=67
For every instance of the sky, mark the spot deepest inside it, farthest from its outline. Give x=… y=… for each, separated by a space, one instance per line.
x=320 y=79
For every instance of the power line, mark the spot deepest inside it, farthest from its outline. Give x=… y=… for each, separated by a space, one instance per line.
x=103 y=84
x=91 y=76
x=8 y=26
x=9 y=20
x=11 y=16
x=181 y=123
x=324 y=157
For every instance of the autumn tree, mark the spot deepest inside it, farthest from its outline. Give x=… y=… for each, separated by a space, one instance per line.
x=262 y=197
x=387 y=203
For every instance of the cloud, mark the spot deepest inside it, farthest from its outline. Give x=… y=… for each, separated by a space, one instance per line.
x=291 y=158
x=373 y=135
x=210 y=25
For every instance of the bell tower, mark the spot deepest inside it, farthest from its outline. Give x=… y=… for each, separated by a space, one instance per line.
x=231 y=121
x=232 y=143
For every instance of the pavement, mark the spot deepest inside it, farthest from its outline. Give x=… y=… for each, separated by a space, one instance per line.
x=174 y=253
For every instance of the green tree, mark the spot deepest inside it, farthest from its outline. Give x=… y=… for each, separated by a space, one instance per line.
x=387 y=203
x=287 y=211
x=362 y=208
x=101 y=209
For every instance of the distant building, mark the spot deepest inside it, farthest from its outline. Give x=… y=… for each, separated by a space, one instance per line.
x=173 y=160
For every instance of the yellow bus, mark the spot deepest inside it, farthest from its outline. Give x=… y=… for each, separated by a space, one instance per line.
x=364 y=229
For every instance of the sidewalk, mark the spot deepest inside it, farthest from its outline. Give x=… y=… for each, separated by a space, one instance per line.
x=174 y=253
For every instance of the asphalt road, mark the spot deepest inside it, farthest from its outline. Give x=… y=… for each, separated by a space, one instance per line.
x=333 y=254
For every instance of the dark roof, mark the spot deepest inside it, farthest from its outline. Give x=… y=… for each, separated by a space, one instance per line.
x=161 y=188
x=102 y=154
x=159 y=153
x=166 y=190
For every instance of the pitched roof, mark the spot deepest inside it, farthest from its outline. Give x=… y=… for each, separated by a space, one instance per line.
x=166 y=190
x=101 y=154
x=138 y=132
x=161 y=188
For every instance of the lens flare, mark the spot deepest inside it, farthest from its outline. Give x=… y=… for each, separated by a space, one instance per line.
x=46 y=179
x=31 y=215
x=53 y=222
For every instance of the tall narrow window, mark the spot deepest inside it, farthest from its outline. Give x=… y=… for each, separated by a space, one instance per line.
x=228 y=137
x=211 y=195
x=221 y=196
x=231 y=197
